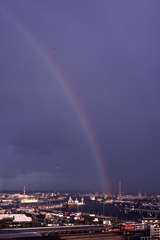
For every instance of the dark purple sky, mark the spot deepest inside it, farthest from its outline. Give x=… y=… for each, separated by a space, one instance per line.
x=108 y=55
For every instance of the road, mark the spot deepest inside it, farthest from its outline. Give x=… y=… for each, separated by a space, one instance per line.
x=93 y=237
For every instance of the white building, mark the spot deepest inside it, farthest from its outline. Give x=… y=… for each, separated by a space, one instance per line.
x=17 y=218
x=155 y=231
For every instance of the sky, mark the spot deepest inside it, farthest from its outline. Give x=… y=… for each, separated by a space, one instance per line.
x=79 y=95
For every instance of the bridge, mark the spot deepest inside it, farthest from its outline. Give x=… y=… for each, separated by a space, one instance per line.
x=47 y=231
x=143 y=210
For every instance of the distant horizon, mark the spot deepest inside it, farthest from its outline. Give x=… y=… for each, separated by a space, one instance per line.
x=79 y=192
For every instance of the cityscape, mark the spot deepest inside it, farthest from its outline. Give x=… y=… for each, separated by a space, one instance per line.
x=78 y=215
x=80 y=119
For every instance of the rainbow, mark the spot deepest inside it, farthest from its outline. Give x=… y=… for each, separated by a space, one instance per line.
x=73 y=99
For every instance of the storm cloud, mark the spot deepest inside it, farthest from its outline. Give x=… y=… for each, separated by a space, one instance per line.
x=108 y=53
